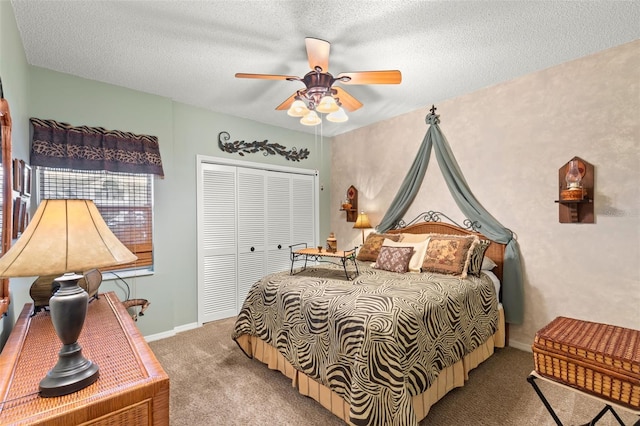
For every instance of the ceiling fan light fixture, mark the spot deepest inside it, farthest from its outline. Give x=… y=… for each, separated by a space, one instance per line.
x=311 y=119
x=319 y=94
x=298 y=109
x=338 y=117
x=327 y=105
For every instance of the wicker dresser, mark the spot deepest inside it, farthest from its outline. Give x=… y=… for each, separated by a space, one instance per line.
x=132 y=389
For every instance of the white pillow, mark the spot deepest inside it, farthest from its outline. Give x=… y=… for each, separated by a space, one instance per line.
x=487 y=264
x=419 y=252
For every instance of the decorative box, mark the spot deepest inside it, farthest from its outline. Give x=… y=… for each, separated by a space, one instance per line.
x=600 y=359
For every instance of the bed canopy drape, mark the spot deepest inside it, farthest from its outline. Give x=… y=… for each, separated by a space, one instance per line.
x=513 y=287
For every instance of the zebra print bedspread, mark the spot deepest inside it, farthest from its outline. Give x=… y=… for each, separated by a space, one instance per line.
x=376 y=341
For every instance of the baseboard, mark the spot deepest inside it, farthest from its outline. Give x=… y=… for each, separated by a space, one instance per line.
x=186 y=327
x=522 y=346
x=171 y=333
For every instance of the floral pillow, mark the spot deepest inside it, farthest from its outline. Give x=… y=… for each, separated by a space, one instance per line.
x=371 y=247
x=394 y=259
x=449 y=254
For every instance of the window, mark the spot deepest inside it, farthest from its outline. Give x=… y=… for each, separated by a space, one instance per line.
x=125 y=201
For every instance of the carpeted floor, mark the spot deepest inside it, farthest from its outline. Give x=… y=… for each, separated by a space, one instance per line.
x=213 y=382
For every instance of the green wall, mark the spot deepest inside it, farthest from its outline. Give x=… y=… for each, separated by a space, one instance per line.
x=183 y=132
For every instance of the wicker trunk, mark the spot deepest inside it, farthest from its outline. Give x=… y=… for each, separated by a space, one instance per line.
x=600 y=359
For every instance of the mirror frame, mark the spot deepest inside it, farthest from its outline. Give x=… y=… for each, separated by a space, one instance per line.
x=7 y=195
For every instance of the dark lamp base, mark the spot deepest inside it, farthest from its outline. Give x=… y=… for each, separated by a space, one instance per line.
x=72 y=373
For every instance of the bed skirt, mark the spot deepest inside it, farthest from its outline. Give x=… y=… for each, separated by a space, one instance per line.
x=448 y=379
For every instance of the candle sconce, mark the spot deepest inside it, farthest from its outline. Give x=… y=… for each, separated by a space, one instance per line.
x=575 y=191
x=350 y=204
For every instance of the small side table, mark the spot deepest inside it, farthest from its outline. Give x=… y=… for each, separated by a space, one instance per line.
x=305 y=254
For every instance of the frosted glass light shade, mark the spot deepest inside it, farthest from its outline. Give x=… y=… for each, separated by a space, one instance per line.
x=338 y=117
x=311 y=119
x=298 y=109
x=327 y=105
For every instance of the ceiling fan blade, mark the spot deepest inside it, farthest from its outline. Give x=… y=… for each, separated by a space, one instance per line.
x=286 y=104
x=348 y=102
x=318 y=53
x=266 y=76
x=372 y=77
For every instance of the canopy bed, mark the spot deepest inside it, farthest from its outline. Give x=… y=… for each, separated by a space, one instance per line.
x=383 y=348
x=425 y=309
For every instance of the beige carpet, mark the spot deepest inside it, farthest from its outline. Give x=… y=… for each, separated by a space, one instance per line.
x=214 y=383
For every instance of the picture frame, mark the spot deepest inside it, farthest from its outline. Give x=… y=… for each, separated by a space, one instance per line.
x=26 y=180
x=24 y=220
x=17 y=218
x=18 y=175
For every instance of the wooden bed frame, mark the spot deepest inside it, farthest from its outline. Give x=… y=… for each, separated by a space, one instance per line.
x=448 y=379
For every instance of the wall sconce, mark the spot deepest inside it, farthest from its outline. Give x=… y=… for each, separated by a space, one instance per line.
x=350 y=204
x=576 y=189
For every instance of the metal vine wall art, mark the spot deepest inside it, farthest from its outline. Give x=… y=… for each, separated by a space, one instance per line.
x=242 y=147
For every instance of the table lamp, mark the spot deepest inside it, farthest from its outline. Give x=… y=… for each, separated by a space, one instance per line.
x=63 y=237
x=362 y=222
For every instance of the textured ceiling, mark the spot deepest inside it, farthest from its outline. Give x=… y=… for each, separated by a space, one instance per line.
x=189 y=51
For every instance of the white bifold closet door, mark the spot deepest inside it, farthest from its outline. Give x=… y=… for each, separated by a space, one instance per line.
x=252 y=220
x=248 y=218
x=278 y=206
x=217 y=250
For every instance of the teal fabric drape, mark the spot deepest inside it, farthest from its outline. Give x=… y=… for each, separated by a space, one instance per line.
x=409 y=188
x=512 y=282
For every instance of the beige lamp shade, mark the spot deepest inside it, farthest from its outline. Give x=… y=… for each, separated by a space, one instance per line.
x=362 y=222
x=64 y=236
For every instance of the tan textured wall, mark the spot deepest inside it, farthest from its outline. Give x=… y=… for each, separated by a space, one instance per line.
x=510 y=140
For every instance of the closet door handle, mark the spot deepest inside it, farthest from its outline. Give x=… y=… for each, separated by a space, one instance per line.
x=253 y=249
x=279 y=246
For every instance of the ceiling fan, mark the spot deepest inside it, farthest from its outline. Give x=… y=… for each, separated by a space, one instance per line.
x=319 y=93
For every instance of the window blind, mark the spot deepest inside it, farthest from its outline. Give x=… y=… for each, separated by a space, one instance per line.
x=125 y=201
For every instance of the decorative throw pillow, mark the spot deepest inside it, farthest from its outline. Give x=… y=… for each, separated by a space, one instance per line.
x=487 y=264
x=394 y=259
x=419 y=251
x=449 y=254
x=477 y=257
x=371 y=247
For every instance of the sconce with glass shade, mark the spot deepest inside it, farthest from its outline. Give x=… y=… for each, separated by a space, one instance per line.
x=573 y=176
x=576 y=184
x=63 y=237
x=362 y=222
x=573 y=180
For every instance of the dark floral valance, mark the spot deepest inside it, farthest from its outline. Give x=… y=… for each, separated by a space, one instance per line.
x=61 y=145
